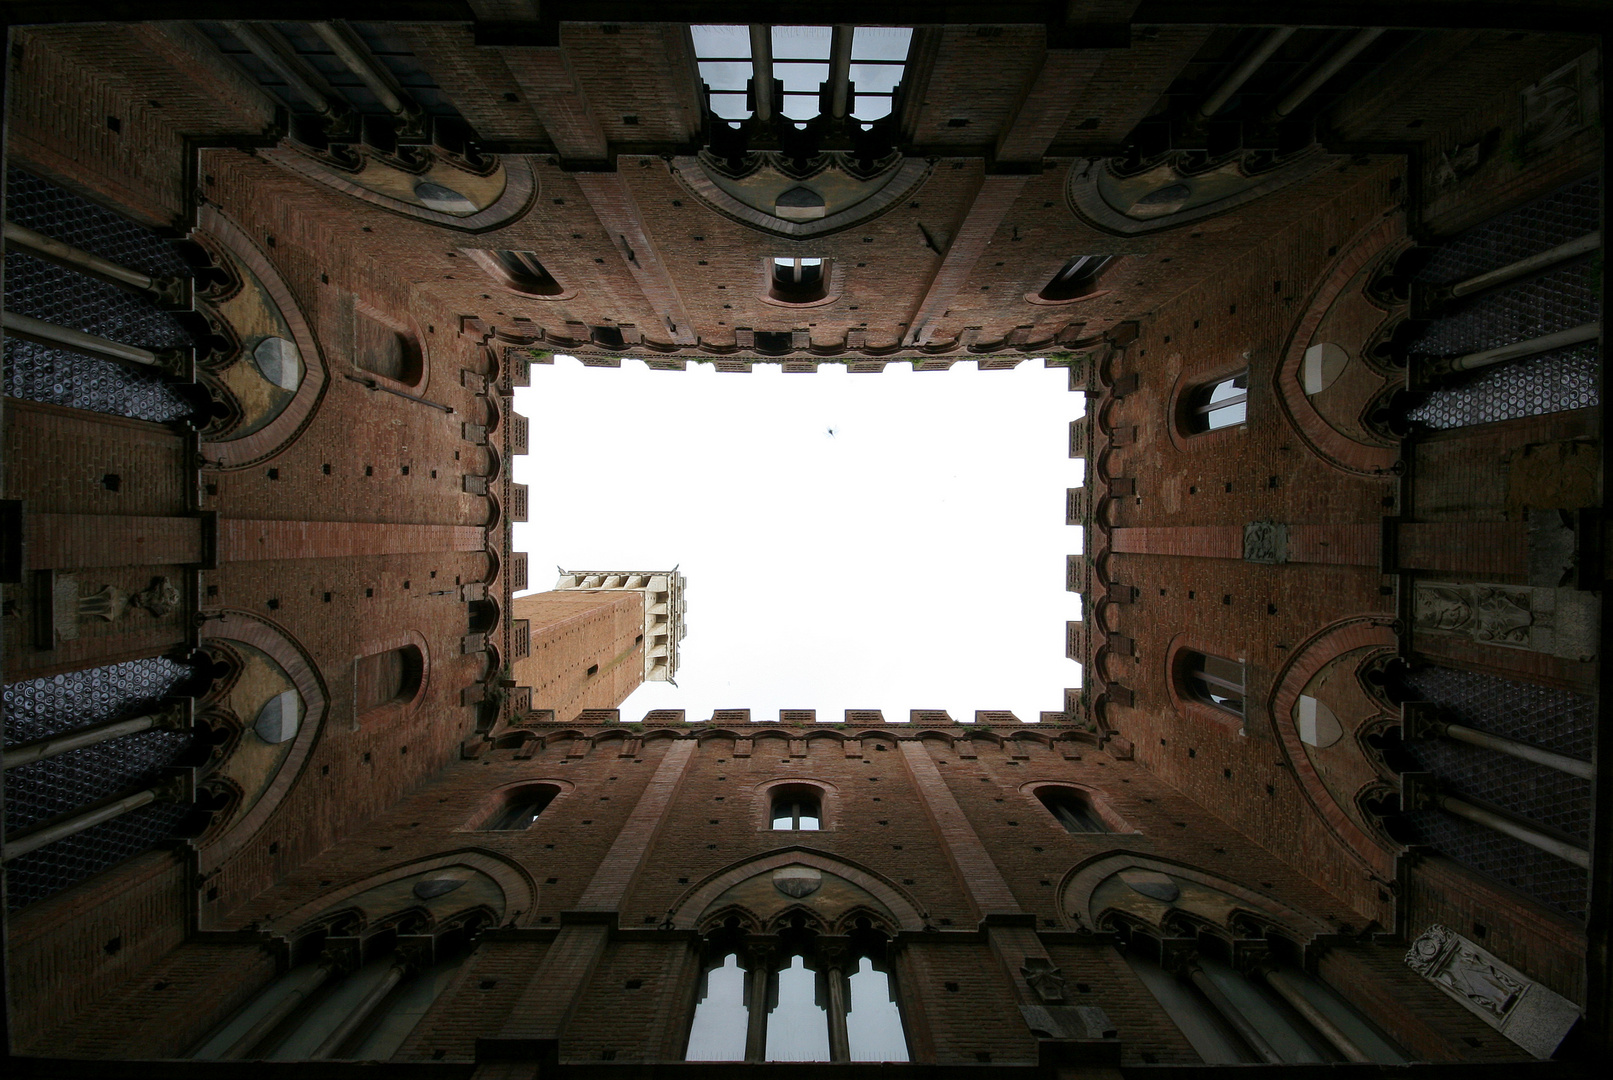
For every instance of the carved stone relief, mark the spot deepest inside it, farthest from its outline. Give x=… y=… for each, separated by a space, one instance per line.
x=1562 y=622
x=1265 y=542
x=1524 y=1011
x=1045 y=979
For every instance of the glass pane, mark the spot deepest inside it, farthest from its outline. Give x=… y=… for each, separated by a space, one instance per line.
x=718 y=1031
x=873 y=1022
x=875 y=78
x=729 y=41
x=1225 y=389
x=730 y=106
x=801 y=78
x=872 y=107
x=800 y=106
x=798 y=1024
x=787 y=264
x=782 y=818
x=725 y=74
x=809 y=819
x=811 y=262
x=881 y=43
x=1227 y=417
x=800 y=43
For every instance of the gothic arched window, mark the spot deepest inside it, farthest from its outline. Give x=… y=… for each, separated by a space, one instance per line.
x=797 y=997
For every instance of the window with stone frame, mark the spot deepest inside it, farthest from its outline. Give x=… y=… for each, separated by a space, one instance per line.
x=797 y=809
x=797 y=996
x=797 y=280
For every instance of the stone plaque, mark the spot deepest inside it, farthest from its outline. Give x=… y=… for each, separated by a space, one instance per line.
x=1518 y=1007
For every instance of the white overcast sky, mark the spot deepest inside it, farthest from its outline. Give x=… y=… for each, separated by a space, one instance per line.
x=892 y=541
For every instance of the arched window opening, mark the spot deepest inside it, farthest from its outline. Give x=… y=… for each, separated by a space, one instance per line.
x=521 y=271
x=1213 y=680
x=1077 y=278
x=797 y=1014
x=481 y=616
x=386 y=350
x=720 y=1018
x=1072 y=809
x=798 y=280
x=387 y=677
x=797 y=810
x=1217 y=405
x=521 y=807
x=874 y=1020
x=797 y=997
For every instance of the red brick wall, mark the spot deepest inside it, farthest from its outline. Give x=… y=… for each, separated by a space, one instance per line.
x=570 y=633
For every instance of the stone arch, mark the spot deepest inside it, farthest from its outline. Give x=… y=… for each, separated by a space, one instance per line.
x=688 y=911
x=518 y=890
x=294 y=417
x=1082 y=881
x=1304 y=662
x=1326 y=441
x=520 y=188
x=274 y=642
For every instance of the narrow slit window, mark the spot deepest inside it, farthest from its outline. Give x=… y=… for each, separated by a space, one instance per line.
x=1220 y=404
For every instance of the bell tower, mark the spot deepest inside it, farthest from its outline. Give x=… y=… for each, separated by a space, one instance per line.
x=596 y=636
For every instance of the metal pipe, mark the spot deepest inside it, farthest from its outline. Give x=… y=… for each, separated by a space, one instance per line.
x=55 y=251
x=1229 y=1012
x=287 y=69
x=373 y=385
x=1533 y=347
x=1240 y=75
x=1324 y=1026
x=62 y=337
x=361 y=1012
x=1489 y=280
x=354 y=57
x=276 y=1016
x=1517 y=830
x=1330 y=68
x=40 y=749
x=1585 y=770
x=761 y=60
x=840 y=71
x=15 y=849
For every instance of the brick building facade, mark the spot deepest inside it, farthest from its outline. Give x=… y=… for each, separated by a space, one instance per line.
x=292 y=773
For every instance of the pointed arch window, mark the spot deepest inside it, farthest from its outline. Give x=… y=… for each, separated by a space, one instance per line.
x=797 y=997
